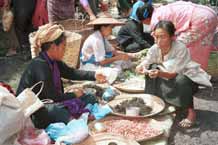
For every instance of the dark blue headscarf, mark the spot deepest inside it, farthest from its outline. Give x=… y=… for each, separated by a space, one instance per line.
x=138 y=4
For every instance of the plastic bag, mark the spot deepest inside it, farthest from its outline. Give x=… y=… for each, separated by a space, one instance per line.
x=11 y=116
x=99 y=111
x=110 y=73
x=33 y=136
x=74 y=132
x=109 y=94
x=7 y=19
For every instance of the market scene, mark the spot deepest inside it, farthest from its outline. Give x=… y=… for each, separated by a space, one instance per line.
x=108 y=72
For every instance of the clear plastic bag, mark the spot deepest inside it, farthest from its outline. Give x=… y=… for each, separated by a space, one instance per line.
x=74 y=132
x=33 y=136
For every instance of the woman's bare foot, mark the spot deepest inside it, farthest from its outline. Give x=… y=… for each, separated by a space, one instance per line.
x=189 y=121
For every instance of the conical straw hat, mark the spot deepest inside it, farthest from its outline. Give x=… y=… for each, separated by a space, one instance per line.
x=104 y=20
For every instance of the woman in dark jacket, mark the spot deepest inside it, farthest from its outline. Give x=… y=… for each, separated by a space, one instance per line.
x=131 y=36
x=49 y=68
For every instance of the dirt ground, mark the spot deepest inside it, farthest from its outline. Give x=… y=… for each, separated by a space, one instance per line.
x=205 y=132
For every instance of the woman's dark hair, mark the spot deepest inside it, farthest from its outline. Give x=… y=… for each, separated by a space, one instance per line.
x=57 y=41
x=144 y=11
x=98 y=27
x=167 y=26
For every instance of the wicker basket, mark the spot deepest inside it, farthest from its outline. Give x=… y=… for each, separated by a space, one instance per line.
x=212 y=68
x=72 y=50
x=78 y=26
x=73 y=24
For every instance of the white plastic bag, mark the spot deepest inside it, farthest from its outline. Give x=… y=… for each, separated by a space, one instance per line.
x=15 y=111
x=110 y=73
x=33 y=136
x=74 y=132
x=11 y=116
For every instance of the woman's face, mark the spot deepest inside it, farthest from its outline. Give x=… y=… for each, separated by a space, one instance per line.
x=106 y=31
x=59 y=50
x=162 y=38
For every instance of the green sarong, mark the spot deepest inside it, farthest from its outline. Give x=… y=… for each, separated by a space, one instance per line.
x=178 y=91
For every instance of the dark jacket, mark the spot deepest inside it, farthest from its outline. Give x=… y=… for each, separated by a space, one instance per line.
x=39 y=70
x=132 y=32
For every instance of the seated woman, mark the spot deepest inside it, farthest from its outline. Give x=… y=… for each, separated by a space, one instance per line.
x=49 y=68
x=97 y=51
x=195 y=26
x=131 y=36
x=170 y=72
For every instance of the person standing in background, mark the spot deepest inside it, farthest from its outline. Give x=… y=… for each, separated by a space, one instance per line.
x=23 y=12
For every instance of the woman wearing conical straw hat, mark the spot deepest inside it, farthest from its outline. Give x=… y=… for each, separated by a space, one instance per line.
x=97 y=52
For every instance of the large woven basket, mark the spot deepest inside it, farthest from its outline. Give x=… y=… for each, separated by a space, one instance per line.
x=212 y=68
x=72 y=50
x=80 y=27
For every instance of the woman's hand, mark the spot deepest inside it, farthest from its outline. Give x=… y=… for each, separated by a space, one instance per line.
x=124 y=57
x=153 y=73
x=78 y=92
x=141 y=69
x=100 y=78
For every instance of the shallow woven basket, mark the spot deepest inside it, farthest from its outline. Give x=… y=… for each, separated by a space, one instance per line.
x=212 y=68
x=73 y=24
x=78 y=26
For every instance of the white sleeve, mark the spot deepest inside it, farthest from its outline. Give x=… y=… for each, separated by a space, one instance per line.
x=99 y=52
x=181 y=59
x=151 y=57
x=109 y=47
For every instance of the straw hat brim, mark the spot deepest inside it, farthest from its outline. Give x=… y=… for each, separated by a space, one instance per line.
x=105 y=21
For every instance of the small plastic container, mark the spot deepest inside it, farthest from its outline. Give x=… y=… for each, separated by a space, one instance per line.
x=132 y=111
x=99 y=127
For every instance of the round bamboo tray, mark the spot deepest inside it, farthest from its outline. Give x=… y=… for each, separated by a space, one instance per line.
x=104 y=121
